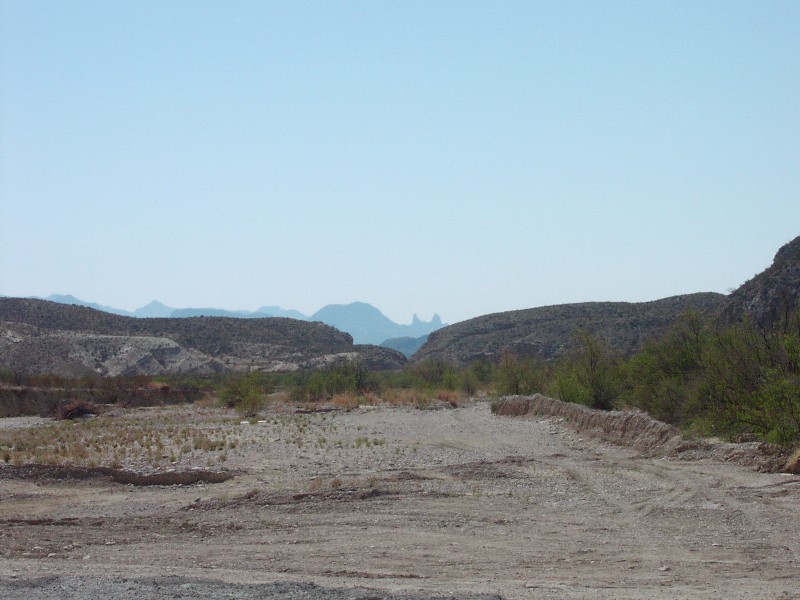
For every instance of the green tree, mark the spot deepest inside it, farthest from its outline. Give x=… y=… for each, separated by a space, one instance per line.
x=591 y=376
x=520 y=375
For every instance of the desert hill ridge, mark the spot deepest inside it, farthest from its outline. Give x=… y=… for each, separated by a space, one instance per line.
x=38 y=336
x=767 y=299
x=548 y=331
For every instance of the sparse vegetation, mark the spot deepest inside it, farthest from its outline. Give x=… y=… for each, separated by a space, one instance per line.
x=736 y=381
x=138 y=439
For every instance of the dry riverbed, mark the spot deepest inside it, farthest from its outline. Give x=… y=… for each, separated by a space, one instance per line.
x=385 y=503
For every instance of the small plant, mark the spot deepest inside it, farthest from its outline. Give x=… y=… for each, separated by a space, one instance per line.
x=448 y=396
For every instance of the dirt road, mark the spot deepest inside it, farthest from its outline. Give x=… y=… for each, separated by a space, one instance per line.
x=419 y=504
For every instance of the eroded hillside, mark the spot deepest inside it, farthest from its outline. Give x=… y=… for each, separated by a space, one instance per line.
x=37 y=336
x=548 y=331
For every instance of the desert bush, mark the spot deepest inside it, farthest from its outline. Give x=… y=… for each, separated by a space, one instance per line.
x=520 y=374
x=432 y=374
x=469 y=382
x=342 y=376
x=246 y=392
x=663 y=378
x=733 y=381
x=751 y=379
x=591 y=376
x=483 y=370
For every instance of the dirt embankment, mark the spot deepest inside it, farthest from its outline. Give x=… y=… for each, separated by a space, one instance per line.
x=635 y=429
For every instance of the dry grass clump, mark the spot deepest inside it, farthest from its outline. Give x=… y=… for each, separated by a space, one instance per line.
x=143 y=439
x=347 y=400
x=407 y=397
x=449 y=396
x=793 y=464
x=319 y=484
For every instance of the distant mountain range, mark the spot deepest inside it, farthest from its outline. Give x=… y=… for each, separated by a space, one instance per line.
x=364 y=322
x=368 y=325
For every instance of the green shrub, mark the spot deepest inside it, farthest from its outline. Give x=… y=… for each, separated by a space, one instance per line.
x=520 y=375
x=728 y=381
x=246 y=392
x=591 y=376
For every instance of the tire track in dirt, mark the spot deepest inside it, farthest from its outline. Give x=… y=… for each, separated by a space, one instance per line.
x=450 y=502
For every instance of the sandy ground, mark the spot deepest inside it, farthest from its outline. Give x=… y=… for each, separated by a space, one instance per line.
x=406 y=503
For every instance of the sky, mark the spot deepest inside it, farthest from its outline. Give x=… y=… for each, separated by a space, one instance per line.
x=459 y=158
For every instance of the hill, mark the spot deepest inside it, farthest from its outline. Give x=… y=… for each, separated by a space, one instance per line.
x=277 y=311
x=70 y=299
x=183 y=313
x=38 y=336
x=406 y=345
x=154 y=309
x=548 y=331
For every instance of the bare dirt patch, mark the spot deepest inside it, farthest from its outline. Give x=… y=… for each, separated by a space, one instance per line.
x=420 y=504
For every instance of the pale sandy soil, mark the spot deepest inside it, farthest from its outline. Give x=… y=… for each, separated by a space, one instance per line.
x=455 y=503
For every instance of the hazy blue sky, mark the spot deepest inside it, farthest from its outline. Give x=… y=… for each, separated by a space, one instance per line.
x=453 y=157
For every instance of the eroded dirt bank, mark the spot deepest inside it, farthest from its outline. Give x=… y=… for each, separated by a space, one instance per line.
x=454 y=503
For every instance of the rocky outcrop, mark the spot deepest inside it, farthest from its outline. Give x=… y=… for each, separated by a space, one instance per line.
x=769 y=298
x=37 y=337
x=548 y=331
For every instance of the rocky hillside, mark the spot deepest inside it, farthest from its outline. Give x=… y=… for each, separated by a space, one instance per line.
x=770 y=297
x=37 y=336
x=548 y=331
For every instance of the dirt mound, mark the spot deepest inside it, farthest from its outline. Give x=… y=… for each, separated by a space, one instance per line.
x=60 y=472
x=638 y=430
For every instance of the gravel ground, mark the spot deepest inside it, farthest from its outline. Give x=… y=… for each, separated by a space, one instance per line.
x=53 y=588
x=403 y=503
